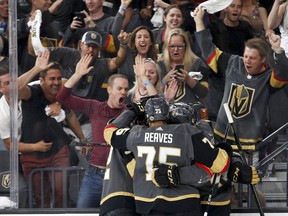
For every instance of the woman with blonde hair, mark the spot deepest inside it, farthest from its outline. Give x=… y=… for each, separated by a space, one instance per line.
x=178 y=60
x=147 y=79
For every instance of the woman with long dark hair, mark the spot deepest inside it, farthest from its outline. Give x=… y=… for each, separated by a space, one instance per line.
x=141 y=43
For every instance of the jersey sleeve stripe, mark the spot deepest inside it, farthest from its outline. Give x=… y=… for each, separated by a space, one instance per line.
x=108 y=132
x=212 y=60
x=109 y=45
x=276 y=82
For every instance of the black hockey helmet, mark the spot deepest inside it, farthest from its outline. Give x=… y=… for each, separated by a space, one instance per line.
x=156 y=109
x=182 y=113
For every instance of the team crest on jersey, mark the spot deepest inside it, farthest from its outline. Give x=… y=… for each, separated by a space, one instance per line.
x=240 y=100
x=180 y=92
x=89 y=79
x=6 y=180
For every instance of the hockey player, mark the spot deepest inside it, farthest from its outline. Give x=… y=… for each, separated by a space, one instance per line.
x=238 y=172
x=164 y=143
x=117 y=194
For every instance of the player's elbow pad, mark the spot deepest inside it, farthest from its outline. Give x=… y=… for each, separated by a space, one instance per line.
x=116 y=137
x=108 y=133
x=221 y=162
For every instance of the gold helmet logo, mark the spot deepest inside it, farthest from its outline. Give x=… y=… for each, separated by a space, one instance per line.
x=6 y=180
x=93 y=36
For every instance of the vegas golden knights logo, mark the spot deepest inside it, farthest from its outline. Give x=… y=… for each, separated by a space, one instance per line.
x=180 y=92
x=89 y=79
x=5 y=180
x=240 y=100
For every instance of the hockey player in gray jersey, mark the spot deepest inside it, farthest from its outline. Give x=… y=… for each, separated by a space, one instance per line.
x=237 y=172
x=159 y=143
x=117 y=194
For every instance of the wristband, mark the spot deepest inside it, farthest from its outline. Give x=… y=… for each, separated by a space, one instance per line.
x=147 y=83
x=122 y=8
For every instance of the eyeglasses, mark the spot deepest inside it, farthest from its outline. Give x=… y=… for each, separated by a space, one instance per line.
x=179 y=47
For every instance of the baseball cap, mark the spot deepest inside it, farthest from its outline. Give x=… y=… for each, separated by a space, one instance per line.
x=92 y=37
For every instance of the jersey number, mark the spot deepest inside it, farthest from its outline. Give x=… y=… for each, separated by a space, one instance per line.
x=151 y=152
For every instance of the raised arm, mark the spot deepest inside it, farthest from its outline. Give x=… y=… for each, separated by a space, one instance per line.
x=139 y=70
x=120 y=20
x=264 y=17
x=210 y=52
x=279 y=77
x=198 y=18
x=42 y=63
x=160 y=3
x=276 y=14
x=116 y=62
x=82 y=68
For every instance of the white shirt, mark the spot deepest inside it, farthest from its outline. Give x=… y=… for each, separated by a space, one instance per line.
x=283 y=28
x=5 y=119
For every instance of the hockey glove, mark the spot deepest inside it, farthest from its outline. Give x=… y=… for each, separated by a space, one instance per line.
x=225 y=147
x=165 y=175
x=242 y=173
x=138 y=109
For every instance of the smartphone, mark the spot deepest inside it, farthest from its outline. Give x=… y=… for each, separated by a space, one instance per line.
x=80 y=17
x=179 y=67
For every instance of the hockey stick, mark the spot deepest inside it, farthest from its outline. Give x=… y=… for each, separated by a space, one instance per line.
x=216 y=180
x=272 y=135
x=259 y=166
x=231 y=123
x=214 y=188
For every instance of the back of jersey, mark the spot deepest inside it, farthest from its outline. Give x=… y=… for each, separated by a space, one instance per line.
x=169 y=144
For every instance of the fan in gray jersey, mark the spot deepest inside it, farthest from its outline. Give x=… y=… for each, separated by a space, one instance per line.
x=249 y=82
x=158 y=143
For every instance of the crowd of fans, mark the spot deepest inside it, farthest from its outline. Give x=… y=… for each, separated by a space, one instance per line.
x=94 y=57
